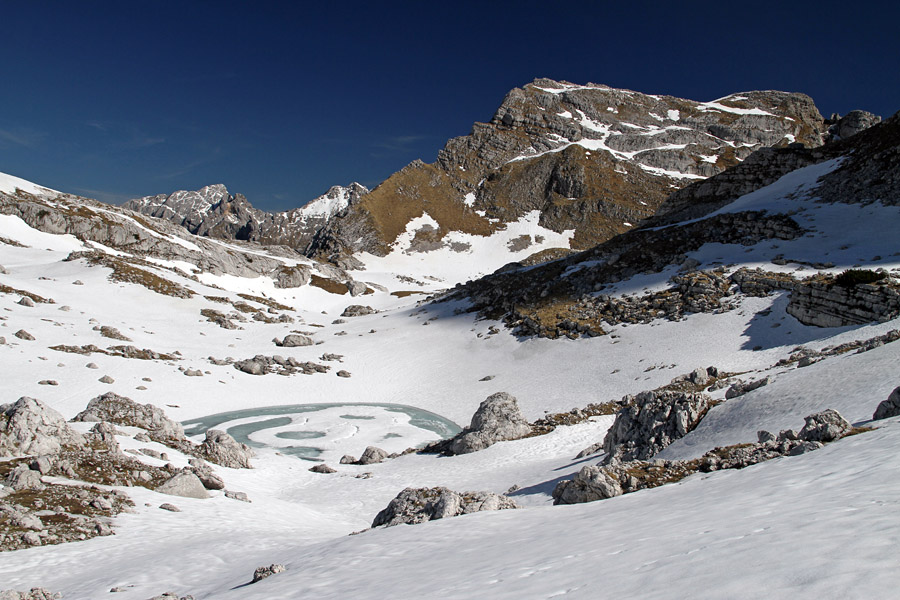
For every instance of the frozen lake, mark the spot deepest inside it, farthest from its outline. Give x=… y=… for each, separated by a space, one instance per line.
x=328 y=431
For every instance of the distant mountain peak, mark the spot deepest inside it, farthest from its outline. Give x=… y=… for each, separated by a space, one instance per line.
x=212 y=211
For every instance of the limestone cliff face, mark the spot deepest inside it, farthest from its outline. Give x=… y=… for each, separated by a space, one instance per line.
x=588 y=157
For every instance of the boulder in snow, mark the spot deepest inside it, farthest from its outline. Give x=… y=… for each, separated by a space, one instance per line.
x=825 y=426
x=890 y=407
x=652 y=421
x=183 y=484
x=417 y=505
x=120 y=410
x=30 y=427
x=497 y=419
x=222 y=449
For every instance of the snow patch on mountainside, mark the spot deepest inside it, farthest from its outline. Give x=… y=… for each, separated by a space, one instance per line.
x=464 y=256
x=9 y=184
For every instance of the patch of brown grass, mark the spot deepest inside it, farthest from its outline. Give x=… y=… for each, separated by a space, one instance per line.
x=329 y=285
x=413 y=191
x=405 y=293
x=5 y=289
x=125 y=272
x=265 y=301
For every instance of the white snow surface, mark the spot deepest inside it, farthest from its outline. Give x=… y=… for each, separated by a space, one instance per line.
x=819 y=525
x=9 y=184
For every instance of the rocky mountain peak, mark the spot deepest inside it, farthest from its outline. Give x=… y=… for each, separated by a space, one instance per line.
x=589 y=158
x=212 y=211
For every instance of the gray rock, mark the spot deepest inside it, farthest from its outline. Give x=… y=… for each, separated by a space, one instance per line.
x=91 y=365
x=589 y=484
x=106 y=435
x=251 y=366
x=169 y=507
x=193 y=373
x=42 y=464
x=241 y=496
x=171 y=596
x=23 y=478
x=32 y=538
x=294 y=340
x=765 y=437
x=348 y=460
x=36 y=593
x=357 y=310
x=120 y=410
x=322 y=468
x=592 y=449
x=356 y=288
x=740 y=388
x=292 y=277
x=417 y=505
x=852 y=123
x=25 y=520
x=262 y=572
x=698 y=377
x=826 y=304
x=343 y=373
x=106 y=379
x=890 y=407
x=31 y=427
x=652 y=421
x=183 y=484
x=497 y=419
x=372 y=455
x=804 y=447
x=825 y=426
x=222 y=449
x=205 y=474
x=24 y=335
x=26 y=301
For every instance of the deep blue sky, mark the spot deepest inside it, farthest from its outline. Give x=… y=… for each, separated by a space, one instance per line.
x=280 y=100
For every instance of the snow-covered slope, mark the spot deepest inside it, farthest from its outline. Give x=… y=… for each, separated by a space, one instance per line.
x=819 y=524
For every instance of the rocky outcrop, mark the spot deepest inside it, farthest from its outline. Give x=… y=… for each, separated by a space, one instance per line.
x=739 y=388
x=36 y=593
x=417 y=505
x=651 y=421
x=825 y=426
x=262 y=365
x=136 y=237
x=825 y=303
x=262 y=572
x=850 y=124
x=540 y=301
x=222 y=449
x=28 y=426
x=890 y=407
x=120 y=410
x=497 y=419
x=598 y=482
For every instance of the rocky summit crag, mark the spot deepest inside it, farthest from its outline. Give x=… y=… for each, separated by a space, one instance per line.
x=213 y=212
